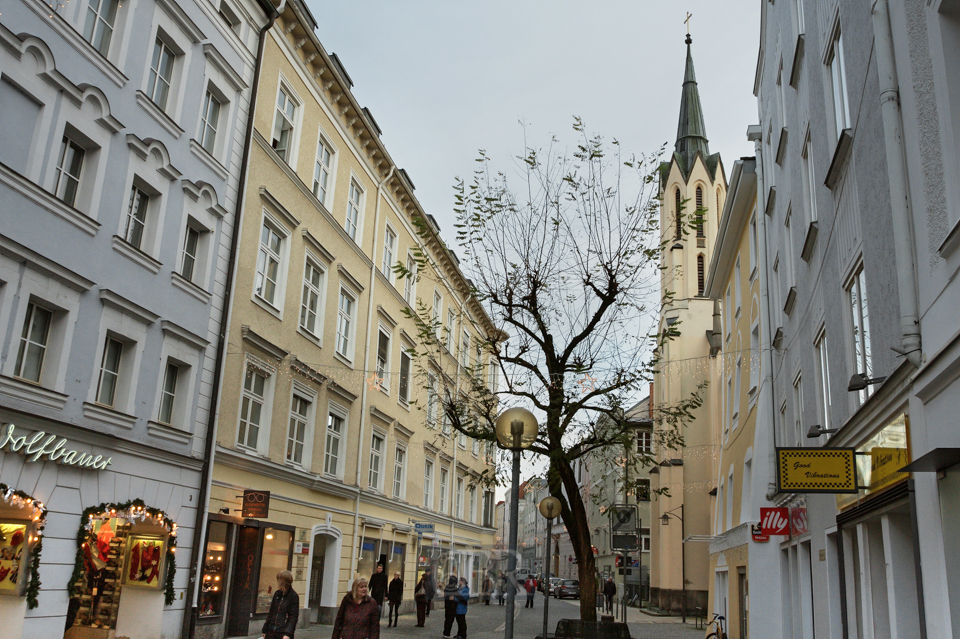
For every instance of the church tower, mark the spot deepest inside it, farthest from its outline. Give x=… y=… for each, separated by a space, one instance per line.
x=692 y=193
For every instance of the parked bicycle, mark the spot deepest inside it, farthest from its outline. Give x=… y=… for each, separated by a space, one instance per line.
x=719 y=632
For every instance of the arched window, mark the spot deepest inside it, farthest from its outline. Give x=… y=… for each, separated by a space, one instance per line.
x=679 y=218
x=700 y=275
x=699 y=198
x=700 y=212
x=718 y=203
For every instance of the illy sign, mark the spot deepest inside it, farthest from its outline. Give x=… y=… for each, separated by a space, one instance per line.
x=775 y=521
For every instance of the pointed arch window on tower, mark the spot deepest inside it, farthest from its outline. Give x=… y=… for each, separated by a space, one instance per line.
x=700 y=275
x=700 y=212
x=679 y=235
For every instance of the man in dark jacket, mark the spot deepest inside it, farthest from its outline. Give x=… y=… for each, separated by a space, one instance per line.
x=378 y=587
x=429 y=588
x=451 y=599
x=609 y=592
x=284 y=611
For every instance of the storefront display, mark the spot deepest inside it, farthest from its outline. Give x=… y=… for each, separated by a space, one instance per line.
x=277 y=545
x=119 y=546
x=214 y=580
x=22 y=519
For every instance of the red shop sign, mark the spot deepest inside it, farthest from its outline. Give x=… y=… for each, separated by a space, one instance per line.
x=798 y=521
x=775 y=521
x=758 y=535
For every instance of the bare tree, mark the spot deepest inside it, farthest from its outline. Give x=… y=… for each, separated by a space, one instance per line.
x=567 y=266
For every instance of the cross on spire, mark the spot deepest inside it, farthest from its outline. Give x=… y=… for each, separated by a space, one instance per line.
x=687 y=22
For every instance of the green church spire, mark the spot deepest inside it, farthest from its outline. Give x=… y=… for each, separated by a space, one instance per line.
x=691 y=131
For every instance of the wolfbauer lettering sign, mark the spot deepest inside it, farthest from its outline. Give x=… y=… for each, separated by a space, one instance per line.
x=39 y=444
x=816 y=470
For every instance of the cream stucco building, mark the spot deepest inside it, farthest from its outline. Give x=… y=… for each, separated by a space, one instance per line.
x=323 y=403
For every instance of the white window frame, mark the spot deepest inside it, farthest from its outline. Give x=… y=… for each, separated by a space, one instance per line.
x=375 y=478
x=96 y=22
x=838 y=81
x=737 y=377
x=281 y=110
x=383 y=363
x=400 y=472
x=823 y=377
x=324 y=195
x=315 y=293
x=335 y=411
x=798 y=408
x=437 y=310
x=859 y=325
x=451 y=331
x=428 y=468
x=155 y=75
x=754 y=359
x=353 y=216
x=465 y=349
x=210 y=119
x=64 y=175
x=410 y=280
x=809 y=177
x=754 y=259
x=444 y=487
x=645 y=442
x=738 y=301
x=391 y=241
x=274 y=227
x=168 y=396
x=472 y=490
x=302 y=419
x=458 y=497
x=28 y=340
x=405 y=378
x=346 y=341
x=113 y=343
x=433 y=397
x=262 y=443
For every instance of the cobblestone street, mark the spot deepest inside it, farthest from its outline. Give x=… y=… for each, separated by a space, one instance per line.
x=487 y=622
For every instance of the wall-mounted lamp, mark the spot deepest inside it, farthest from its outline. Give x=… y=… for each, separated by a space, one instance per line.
x=224 y=511
x=816 y=430
x=859 y=381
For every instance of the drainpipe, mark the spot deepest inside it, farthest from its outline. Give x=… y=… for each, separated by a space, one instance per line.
x=910 y=346
x=203 y=498
x=363 y=388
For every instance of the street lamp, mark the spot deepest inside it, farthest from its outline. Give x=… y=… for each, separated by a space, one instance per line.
x=550 y=508
x=516 y=429
x=665 y=520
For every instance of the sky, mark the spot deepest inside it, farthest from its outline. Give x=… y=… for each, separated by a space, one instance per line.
x=445 y=78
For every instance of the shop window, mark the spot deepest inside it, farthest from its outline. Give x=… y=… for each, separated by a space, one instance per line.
x=214 y=579
x=277 y=547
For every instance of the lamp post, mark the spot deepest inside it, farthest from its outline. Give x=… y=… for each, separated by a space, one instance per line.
x=665 y=520
x=549 y=508
x=516 y=429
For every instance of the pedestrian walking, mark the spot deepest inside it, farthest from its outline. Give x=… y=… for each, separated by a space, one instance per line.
x=610 y=591
x=501 y=588
x=487 y=589
x=358 y=617
x=450 y=596
x=429 y=588
x=420 y=597
x=462 y=602
x=284 y=610
x=378 y=586
x=530 y=585
x=395 y=596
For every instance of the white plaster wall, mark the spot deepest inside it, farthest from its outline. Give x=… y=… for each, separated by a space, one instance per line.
x=12 y=610
x=141 y=614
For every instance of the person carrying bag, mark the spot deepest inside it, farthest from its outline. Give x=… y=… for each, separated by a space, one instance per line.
x=284 y=611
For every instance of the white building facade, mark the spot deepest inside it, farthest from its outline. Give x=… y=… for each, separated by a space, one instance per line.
x=858 y=166
x=122 y=142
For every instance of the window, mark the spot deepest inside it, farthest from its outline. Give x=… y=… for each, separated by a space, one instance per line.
x=492 y=374
x=283 y=129
x=168 y=394
x=465 y=350
x=321 y=171
x=98 y=27
x=679 y=219
x=798 y=8
x=447 y=424
x=188 y=260
x=389 y=251
x=823 y=380
x=215 y=570
x=161 y=74
x=736 y=393
x=798 y=409
x=475 y=450
x=838 y=84
x=808 y=177
x=736 y=288
x=781 y=98
x=473 y=505
x=268 y=264
x=719 y=210
x=863 y=357
x=404 y=377
x=788 y=249
x=251 y=407
x=477 y=366
x=700 y=211
x=297 y=433
x=310 y=298
x=700 y=275
x=344 y=323
x=754 y=358
x=444 y=475
x=409 y=280
x=458 y=503
x=33 y=343
x=428 y=485
x=109 y=371
x=209 y=118
x=451 y=323
x=753 y=247
x=728 y=312
x=643 y=489
x=376 y=455
x=432 y=397
x=136 y=217
x=398 y=472
x=645 y=442
x=353 y=210
x=383 y=361
x=230 y=17
x=437 y=304
x=331 y=455
x=69 y=166
x=731 y=405
x=775 y=292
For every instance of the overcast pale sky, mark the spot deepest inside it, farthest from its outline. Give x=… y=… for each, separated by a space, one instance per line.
x=444 y=78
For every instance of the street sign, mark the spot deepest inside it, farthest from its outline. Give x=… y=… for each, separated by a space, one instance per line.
x=816 y=470
x=422 y=528
x=623 y=518
x=256 y=503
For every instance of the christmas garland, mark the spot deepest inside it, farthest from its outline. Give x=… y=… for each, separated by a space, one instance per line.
x=21 y=499
x=133 y=511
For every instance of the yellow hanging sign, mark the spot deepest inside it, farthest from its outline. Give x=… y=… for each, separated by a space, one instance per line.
x=816 y=470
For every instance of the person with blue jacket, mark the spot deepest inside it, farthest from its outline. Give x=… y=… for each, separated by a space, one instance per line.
x=463 y=598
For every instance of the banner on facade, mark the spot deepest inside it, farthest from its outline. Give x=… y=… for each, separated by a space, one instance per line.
x=816 y=470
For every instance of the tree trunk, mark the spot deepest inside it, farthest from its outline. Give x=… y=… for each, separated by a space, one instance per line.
x=574 y=515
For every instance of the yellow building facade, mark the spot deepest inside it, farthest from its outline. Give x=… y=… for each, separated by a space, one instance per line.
x=328 y=399
x=734 y=282
x=693 y=192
